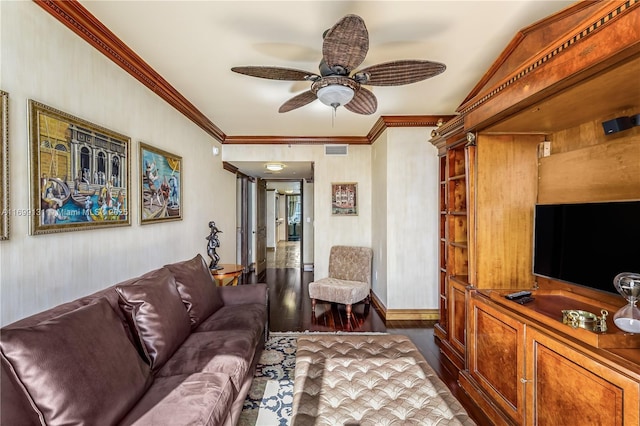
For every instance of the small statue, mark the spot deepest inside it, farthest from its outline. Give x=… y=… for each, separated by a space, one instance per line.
x=211 y=246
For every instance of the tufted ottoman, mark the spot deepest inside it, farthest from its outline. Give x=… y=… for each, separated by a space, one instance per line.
x=369 y=380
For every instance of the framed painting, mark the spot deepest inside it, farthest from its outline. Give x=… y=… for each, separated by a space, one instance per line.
x=4 y=165
x=344 y=199
x=160 y=185
x=79 y=173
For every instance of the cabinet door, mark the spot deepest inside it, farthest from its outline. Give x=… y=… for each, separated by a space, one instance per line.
x=457 y=316
x=565 y=386
x=496 y=356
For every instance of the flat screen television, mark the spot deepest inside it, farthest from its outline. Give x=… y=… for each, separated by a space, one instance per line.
x=587 y=244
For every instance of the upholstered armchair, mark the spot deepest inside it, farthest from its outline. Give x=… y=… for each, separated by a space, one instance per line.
x=349 y=279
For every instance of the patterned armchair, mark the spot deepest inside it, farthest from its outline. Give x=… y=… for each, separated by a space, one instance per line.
x=349 y=279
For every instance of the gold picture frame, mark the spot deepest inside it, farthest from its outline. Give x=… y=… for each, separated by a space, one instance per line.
x=79 y=173
x=4 y=166
x=160 y=185
x=344 y=199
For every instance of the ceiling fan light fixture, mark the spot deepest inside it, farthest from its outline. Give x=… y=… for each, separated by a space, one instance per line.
x=335 y=95
x=274 y=167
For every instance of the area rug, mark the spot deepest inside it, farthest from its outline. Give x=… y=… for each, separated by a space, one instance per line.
x=270 y=398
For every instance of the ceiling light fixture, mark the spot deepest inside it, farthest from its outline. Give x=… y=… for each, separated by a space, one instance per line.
x=335 y=95
x=274 y=167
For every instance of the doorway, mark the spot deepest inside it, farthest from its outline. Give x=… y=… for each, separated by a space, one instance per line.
x=294 y=217
x=286 y=247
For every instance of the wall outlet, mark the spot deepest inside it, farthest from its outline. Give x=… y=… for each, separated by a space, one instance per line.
x=544 y=149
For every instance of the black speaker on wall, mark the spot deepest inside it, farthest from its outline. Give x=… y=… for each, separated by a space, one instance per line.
x=617 y=125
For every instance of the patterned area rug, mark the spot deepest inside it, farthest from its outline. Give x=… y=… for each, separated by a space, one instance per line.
x=270 y=398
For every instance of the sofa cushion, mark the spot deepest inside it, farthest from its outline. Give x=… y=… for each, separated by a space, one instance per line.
x=230 y=352
x=78 y=368
x=249 y=317
x=157 y=314
x=189 y=399
x=197 y=288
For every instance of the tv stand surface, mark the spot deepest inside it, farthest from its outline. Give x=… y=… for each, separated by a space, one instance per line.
x=547 y=307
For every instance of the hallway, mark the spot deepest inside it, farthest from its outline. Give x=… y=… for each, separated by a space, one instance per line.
x=286 y=255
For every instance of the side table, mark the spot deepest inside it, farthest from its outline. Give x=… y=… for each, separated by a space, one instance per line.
x=228 y=270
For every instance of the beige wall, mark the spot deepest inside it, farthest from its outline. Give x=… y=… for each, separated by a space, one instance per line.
x=379 y=160
x=405 y=219
x=308 y=213
x=45 y=61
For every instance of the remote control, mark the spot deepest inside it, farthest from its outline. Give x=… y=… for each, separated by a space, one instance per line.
x=523 y=300
x=518 y=295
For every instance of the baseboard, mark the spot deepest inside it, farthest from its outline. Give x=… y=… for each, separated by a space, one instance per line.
x=412 y=314
x=271 y=249
x=404 y=314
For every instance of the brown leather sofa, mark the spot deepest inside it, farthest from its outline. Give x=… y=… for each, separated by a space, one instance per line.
x=165 y=348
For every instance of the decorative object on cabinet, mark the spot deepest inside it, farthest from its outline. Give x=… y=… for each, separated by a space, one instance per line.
x=585 y=319
x=344 y=199
x=160 y=185
x=213 y=243
x=628 y=317
x=4 y=166
x=79 y=173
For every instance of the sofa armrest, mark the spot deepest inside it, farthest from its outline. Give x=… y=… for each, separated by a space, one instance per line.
x=242 y=294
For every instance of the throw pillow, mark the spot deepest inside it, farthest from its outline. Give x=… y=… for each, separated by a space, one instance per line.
x=77 y=368
x=155 y=311
x=197 y=288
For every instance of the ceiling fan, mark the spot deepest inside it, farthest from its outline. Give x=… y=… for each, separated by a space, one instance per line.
x=344 y=48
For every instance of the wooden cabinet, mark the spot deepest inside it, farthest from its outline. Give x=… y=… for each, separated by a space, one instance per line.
x=442 y=327
x=525 y=373
x=556 y=82
x=563 y=383
x=503 y=173
x=453 y=247
x=496 y=361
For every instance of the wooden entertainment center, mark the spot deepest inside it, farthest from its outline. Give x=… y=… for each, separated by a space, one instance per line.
x=531 y=132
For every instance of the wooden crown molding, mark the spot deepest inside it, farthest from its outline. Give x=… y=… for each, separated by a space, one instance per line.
x=569 y=45
x=74 y=16
x=295 y=140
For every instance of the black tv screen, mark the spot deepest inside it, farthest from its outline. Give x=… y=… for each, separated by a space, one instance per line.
x=587 y=244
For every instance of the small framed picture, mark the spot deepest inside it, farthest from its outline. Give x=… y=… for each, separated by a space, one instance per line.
x=160 y=185
x=344 y=199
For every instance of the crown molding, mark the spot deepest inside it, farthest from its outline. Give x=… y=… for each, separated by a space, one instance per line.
x=74 y=16
x=386 y=121
x=295 y=140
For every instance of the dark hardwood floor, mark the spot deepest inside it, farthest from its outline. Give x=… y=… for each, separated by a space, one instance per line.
x=290 y=310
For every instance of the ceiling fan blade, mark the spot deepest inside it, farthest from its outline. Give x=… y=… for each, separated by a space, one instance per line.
x=397 y=73
x=364 y=102
x=346 y=43
x=276 y=73
x=297 y=101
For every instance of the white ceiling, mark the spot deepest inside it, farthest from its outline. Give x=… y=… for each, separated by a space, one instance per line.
x=194 y=44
